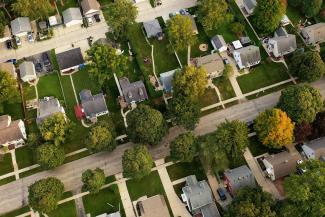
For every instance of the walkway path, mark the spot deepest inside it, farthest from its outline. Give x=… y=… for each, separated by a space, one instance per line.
x=74 y=89
x=125 y=197
x=79 y=204
x=14 y=163
x=211 y=85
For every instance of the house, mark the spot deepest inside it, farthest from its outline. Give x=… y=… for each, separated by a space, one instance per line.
x=314 y=34
x=249 y=6
x=247 y=56
x=132 y=92
x=152 y=29
x=93 y=106
x=282 y=43
x=48 y=107
x=245 y=41
x=166 y=80
x=154 y=206
x=238 y=178
x=115 y=214
x=194 y=27
x=219 y=43
x=90 y=7
x=20 y=26
x=281 y=164
x=12 y=133
x=70 y=60
x=72 y=16
x=198 y=197
x=27 y=71
x=212 y=63
x=315 y=149
x=10 y=68
x=55 y=20
x=6 y=34
x=237 y=44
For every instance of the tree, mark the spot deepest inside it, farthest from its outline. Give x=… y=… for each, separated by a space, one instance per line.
x=301 y=103
x=180 y=32
x=228 y=71
x=120 y=15
x=146 y=125
x=308 y=66
x=8 y=88
x=184 y=112
x=104 y=62
x=34 y=9
x=267 y=15
x=213 y=13
x=274 y=128
x=2 y=23
x=183 y=148
x=251 y=202
x=137 y=162
x=49 y=156
x=33 y=140
x=190 y=82
x=101 y=137
x=55 y=128
x=306 y=192
x=319 y=125
x=237 y=28
x=45 y=194
x=311 y=8
x=93 y=180
x=303 y=131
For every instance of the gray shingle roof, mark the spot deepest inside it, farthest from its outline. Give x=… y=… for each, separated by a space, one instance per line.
x=47 y=107
x=280 y=32
x=286 y=44
x=240 y=177
x=218 y=41
x=249 y=55
x=27 y=68
x=70 y=58
x=9 y=130
x=133 y=92
x=20 y=25
x=166 y=79
x=152 y=28
x=318 y=145
x=250 y=4
x=92 y=104
x=315 y=33
x=211 y=63
x=71 y=14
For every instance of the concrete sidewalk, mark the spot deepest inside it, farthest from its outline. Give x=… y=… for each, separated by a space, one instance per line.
x=125 y=197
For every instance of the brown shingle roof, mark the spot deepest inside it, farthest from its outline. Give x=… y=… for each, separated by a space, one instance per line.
x=88 y=5
x=11 y=133
x=154 y=206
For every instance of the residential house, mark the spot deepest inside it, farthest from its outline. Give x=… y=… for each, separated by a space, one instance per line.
x=93 y=106
x=281 y=164
x=282 y=43
x=55 y=20
x=27 y=71
x=212 y=63
x=154 y=206
x=20 y=26
x=153 y=29
x=72 y=16
x=198 y=197
x=166 y=80
x=115 y=214
x=249 y=6
x=6 y=34
x=218 y=43
x=315 y=149
x=48 y=107
x=10 y=68
x=238 y=178
x=70 y=60
x=314 y=34
x=247 y=56
x=12 y=133
x=194 y=27
x=245 y=41
x=90 y=7
x=131 y=92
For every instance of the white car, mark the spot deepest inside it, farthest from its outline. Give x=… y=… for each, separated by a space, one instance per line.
x=90 y=21
x=17 y=40
x=30 y=37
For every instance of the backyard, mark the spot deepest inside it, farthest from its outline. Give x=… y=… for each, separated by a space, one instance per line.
x=49 y=85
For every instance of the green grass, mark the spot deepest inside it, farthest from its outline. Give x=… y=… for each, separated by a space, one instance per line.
x=268 y=91
x=76 y=140
x=67 y=4
x=96 y=204
x=202 y=38
x=224 y=87
x=15 y=110
x=30 y=172
x=49 y=85
x=24 y=157
x=215 y=109
x=16 y=212
x=105 y=2
x=7 y=180
x=69 y=96
x=5 y=164
x=223 y=30
x=67 y=209
x=31 y=114
x=29 y=92
x=82 y=80
x=294 y=15
x=210 y=97
x=182 y=170
x=263 y=75
x=76 y=156
x=256 y=147
x=110 y=179
x=178 y=188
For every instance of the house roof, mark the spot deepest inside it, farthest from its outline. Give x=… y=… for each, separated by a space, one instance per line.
x=92 y=104
x=250 y=4
x=55 y=20
x=133 y=92
x=249 y=54
x=286 y=43
x=245 y=40
x=8 y=67
x=47 y=107
x=115 y=214
x=280 y=32
x=88 y=5
x=19 y=25
x=210 y=210
x=166 y=79
x=71 y=14
x=70 y=58
x=315 y=32
x=318 y=145
x=27 y=68
x=4 y=121
x=154 y=206
x=9 y=130
x=211 y=63
x=152 y=28
x=284 y=163
x=240 y=177
x=218 y=41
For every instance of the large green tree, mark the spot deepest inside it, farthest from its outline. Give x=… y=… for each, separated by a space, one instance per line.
x=308 y=66
x=301 y=103
x=34 y=9
x=267 y=15
x=146 y=125
x=180 y=32
x=8 y=88
x=311 y=8
x=184 y=147
x=45 y=194
x=101 y=137
x=306 y=192
x=137 y=162
x=49 y=156
x=274 y=128
x=93 y=180
x=120 y=15
x=213 y=13
x=104 y=62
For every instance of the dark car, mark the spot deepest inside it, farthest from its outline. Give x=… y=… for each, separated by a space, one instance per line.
x=97 y=18
x=9 y=44
x=38 y=67
x=13 y=61
x=46 y=59
x=221 y=194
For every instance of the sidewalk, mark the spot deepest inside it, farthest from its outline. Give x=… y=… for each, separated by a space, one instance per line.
x=125 y=197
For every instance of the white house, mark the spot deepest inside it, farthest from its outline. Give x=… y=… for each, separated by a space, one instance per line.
x=282 y=43
x=315 y=149
x=314 y=34
x=218 y=43
x=247 y=56
x=12 y=133
x=72 y=16
x=20 y=26
x=27 y=71
x=90 y=7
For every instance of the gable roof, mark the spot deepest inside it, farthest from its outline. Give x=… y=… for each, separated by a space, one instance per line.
x=249 y=55
x=250 y=4
x=218 y=41
x=88 y=5
x=318 y=145
x=211 y=63
x=70 y=58
x=315 y=33
x=27 y=68
x=92 y=104
x=280 y=32
x=71 y=14
x=152 y=28
x=19 y=25
x=166 y=79
x=240 y=177
x=47 y=107
x=286 y=44
x=133 y=92
x=10 y=130
x=154 y=206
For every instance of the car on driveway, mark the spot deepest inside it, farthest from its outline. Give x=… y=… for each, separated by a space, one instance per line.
x=46 y=59
x=222 y=194
x=9 y=44
x=38 y=67
x=97 y=18
x=18 y=41
x=30 y=37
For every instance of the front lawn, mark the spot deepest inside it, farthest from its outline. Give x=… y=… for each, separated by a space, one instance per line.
x=7 y=180
x=67 y=209
x=262 y=75
x=210 y=97
x=17 y=212
x=5 y=164
x=76 y=140
x=49 y=85
x=24 y=157
x=15 y=110
x=107 y=200
x=224 y=87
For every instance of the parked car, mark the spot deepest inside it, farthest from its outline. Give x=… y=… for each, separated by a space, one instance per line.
x=97 y=18
x=46 y=59
x=38 y=67
x=18 y=41
x=9 y=44
x=90 y=21
x=13 y=61
x=225 y=61
x=221 y=194
x=30 y=37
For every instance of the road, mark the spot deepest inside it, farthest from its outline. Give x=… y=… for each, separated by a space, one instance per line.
x=14 y=195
